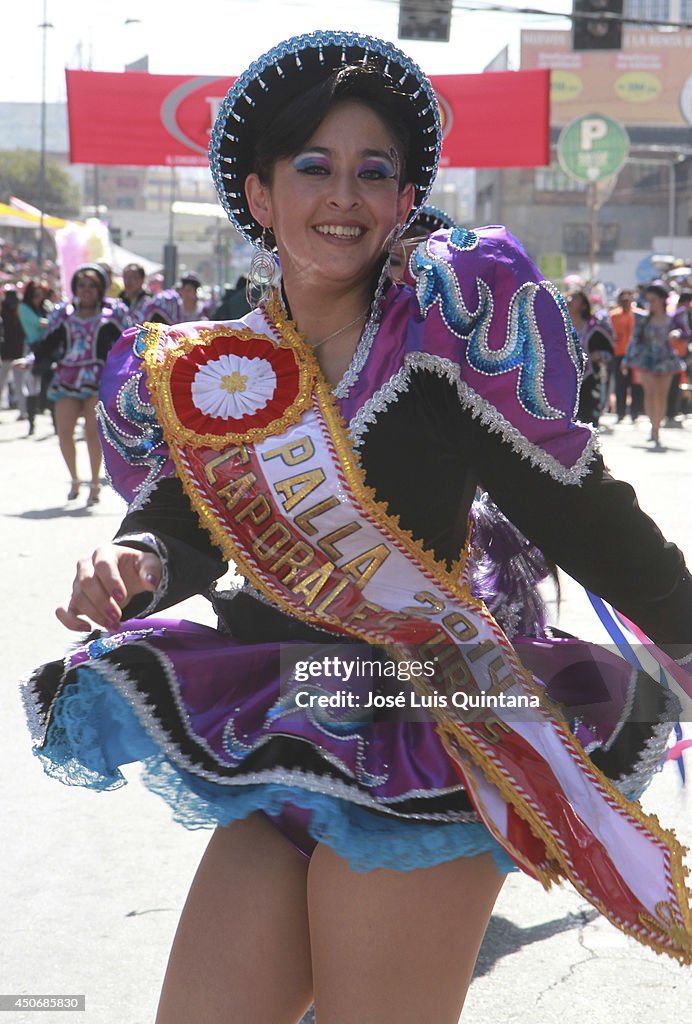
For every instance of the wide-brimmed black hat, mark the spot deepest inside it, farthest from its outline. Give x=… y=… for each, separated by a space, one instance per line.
x=290 y=69
x=431 y=218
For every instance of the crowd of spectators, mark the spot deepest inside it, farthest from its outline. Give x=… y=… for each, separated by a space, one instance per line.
x=31 y=304
x=612 y=335
x=638 y=354
x=18 y=263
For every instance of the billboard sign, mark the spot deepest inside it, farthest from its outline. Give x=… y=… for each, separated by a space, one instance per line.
x=647 y=82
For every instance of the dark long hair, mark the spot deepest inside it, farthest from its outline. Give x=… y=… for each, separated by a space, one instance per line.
x=13 y=341
x=31 y=291
x=585 y=304
x=9 y=307
x=289 y=130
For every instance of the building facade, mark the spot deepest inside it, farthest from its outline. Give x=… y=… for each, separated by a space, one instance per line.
x=135 y=202
x=646 y=87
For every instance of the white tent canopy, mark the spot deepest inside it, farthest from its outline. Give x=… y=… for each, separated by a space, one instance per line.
x=121 y=257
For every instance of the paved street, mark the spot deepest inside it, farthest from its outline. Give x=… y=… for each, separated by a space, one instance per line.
x=92 y=884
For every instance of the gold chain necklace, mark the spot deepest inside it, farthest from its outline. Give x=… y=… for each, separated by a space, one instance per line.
x=335 y=334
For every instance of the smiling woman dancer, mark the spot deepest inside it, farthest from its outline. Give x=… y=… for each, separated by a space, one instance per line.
x=330 y=444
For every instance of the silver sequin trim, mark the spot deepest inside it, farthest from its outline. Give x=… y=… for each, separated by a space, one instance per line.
x=480 y=408
x=367 y=338
x=626 y=711
x=35 y=719
x=143 y=496
x=651 y=755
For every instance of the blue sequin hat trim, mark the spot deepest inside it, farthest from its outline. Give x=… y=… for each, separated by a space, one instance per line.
x=293 y=67
x=431 y=218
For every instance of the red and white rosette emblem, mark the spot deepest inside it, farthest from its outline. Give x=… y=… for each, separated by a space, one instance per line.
x=228 y=386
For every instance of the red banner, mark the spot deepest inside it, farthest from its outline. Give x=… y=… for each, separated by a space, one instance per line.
x=496 y=119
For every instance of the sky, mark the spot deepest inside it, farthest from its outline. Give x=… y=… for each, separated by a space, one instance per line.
x=221 y=37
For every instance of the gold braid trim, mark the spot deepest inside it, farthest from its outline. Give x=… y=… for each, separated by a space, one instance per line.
x=678 y=936
x=232 y=552
x=546 y=873
x=350 y=461
x=163 y=361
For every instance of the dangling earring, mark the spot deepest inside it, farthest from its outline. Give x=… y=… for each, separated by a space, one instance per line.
x=392 y=238
x=262 y=272
x=390 y=243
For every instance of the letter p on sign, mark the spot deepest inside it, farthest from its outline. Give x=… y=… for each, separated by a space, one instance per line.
x=592 y=147
x=591 y=130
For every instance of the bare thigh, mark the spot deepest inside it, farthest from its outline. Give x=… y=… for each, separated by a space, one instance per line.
x=90 y=421
x=241 y=953
x=396 y=947
x=91 y=433
x=67 y=412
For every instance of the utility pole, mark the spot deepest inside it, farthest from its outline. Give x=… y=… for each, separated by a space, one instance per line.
x=170 y=251
x=44 y=26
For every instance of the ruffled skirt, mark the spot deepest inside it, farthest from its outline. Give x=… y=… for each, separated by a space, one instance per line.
x=658 y=360
x=225 y=728
x=79 y=380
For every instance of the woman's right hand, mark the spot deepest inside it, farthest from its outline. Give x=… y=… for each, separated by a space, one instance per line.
x=105 y=583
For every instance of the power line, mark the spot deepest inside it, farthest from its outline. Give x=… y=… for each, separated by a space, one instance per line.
x=476 y=7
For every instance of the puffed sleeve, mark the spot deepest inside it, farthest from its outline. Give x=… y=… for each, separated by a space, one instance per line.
x=53 y=343
x=503 y=333
x=163 y=308
x=135 y=452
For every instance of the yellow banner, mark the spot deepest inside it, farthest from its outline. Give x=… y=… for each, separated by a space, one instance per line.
x=11 y=217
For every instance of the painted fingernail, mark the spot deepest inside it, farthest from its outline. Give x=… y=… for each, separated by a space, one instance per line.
x=151 y=579
x=118 y=594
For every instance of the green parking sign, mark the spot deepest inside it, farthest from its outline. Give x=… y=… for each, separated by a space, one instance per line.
x=552 y=265
x=592 y=147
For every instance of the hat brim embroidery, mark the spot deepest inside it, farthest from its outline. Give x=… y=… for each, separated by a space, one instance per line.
x=432 y=218
x=293 y=67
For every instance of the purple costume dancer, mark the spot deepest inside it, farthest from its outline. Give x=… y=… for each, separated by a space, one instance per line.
x=513 y=439
x=80 y=344
x=466 y=374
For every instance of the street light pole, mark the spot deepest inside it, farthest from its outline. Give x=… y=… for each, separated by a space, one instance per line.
x=170 y=252
x=671 y=202
x=593 y=204
x=44 y=26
